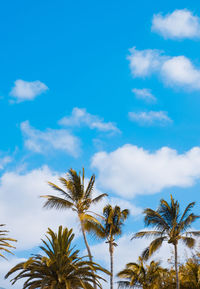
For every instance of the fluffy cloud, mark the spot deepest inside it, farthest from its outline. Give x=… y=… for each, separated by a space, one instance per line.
x=180 y=71
x=177 y=71
x=150 y=118
x=27 y=90
x=50 y=139
x=144 y=94
x=80 y=117
x=128 y=171
x=144 y=62
x=177 y=25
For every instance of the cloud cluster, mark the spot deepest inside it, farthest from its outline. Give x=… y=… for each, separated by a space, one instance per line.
x=179 y=24
x=80 y=117
x=159 y=118
x=27 y=90
x=50 y=139
x=177 y=71
x=130 y=170
x=144 y=94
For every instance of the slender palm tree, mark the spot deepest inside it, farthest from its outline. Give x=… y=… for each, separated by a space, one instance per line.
x=111 y=225
x=140 y=275
x=5 y=242
x=169 y=226
x=76 y=197
x=60 y=267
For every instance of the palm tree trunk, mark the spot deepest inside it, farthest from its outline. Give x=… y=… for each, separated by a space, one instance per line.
x=88 y=248
x=86 y=242
x=176 y=266
x=111 y=263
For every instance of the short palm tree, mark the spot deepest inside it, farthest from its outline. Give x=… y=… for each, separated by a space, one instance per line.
x=111 y=225
x=59 y=268
x=5 y=242
x=76 y=197
x=139 y=275
x=169 y=226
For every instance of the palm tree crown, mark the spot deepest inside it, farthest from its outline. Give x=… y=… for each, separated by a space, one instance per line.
x=169 y=225
x=110 y=226
x=76 y=197
x=139 y=275
x=59 y=268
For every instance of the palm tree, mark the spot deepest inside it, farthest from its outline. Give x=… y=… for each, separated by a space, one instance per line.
x=5 y=242
x=139 y=275
x=169 y=226
x=110 y=226
x=59 y=268
x=75 y=197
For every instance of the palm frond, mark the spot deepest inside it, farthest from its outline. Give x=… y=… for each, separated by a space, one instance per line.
x=90 y=187
x=153 y=247
x=56 y=202
x=147 y=234
x=99 y=198
x=188 y=241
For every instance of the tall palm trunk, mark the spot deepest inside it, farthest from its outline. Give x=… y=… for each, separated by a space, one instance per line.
x=111 y=263
x=176 y=266
x=88 y=248
x=86 y=242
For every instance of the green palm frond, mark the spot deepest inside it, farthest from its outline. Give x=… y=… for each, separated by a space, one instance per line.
x=186 y=211
x=56 y=202
x=154 y=219
x=99 y=198
x=59 y=266
x=90 y=187
x=147 y=234
x=155 y=245
x=188 y=241
x=60 y=190
x=186 y=223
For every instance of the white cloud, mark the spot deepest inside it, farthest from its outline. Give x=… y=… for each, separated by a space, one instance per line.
x=27 y=90
x=159 y=118
x=50 y=139
x=144 y=62
x=177 y=25
x=177 y=71
x=180 y=71
x=144 y=94
x=130 y=170
x=80 y=117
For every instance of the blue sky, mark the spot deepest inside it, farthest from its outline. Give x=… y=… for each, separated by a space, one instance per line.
x=113 y=86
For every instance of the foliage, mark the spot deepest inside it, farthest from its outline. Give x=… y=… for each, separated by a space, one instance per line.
x=5 y=242
x=59 y=268
x=169 y=226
